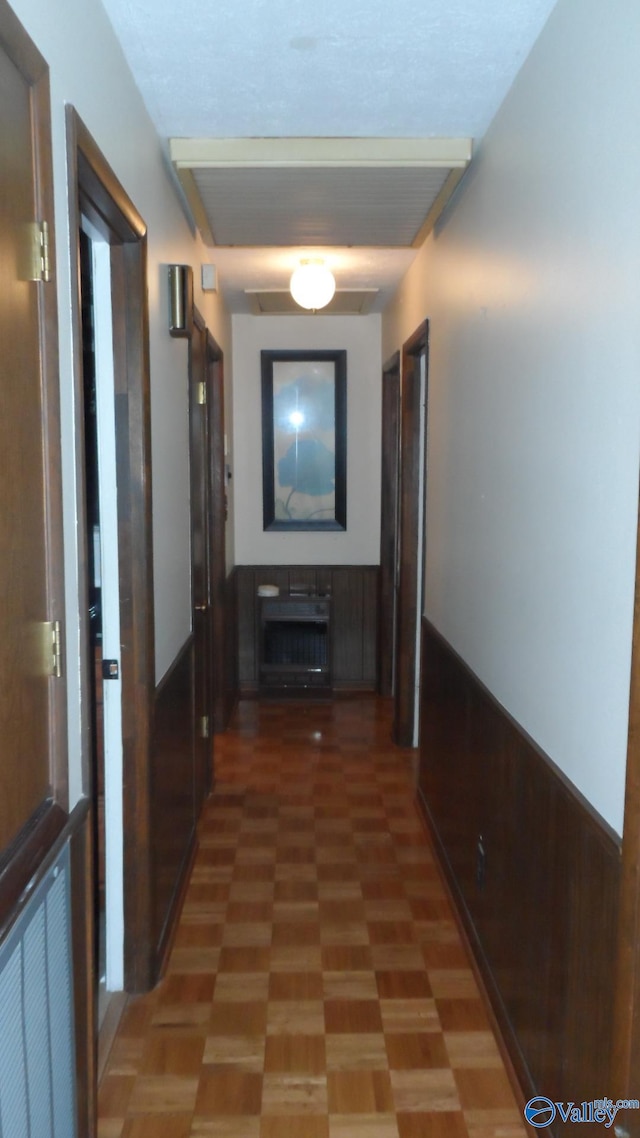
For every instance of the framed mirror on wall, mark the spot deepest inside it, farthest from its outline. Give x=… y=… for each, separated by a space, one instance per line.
x=304 y=439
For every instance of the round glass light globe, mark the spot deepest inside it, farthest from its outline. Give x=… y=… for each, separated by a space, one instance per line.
x=312 y=285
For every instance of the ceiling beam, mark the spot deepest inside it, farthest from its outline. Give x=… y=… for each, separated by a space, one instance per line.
x=241 y=153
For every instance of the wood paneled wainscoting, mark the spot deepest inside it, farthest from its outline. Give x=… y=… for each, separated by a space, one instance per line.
x=179 y=783
x=535 y=874
x=175 y=798
x=230 y=651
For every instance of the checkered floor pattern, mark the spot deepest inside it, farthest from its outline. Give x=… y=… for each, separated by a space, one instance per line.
x=317 y=987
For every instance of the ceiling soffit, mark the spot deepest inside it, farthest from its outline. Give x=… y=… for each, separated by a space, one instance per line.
x=318 y=192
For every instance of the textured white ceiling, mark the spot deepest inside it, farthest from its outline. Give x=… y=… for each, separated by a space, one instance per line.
x=335 y=68
x=397 y=68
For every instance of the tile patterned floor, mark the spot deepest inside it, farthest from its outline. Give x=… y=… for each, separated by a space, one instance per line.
x=317 y=987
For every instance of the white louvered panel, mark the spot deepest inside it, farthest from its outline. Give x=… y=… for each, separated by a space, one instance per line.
x=14 y=1110
x=367 y=207
x=37 y=1034
x=37 y=1063
x=61 y=1006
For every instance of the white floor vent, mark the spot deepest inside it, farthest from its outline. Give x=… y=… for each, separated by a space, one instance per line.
x=37 y=1061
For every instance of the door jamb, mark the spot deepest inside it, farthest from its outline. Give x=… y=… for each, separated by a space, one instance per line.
x=626 y=1018
x=411 y=474
x=198 y=407
x=217 y=520
x=389 y=534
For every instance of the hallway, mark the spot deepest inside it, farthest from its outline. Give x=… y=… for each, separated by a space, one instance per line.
x=317 y=986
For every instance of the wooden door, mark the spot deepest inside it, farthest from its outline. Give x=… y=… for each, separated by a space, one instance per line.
x=413 y=433
x=32 y=699
x=389 y=523
x=199 y=389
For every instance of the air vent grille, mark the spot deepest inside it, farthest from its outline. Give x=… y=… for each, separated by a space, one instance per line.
x=37 y=1064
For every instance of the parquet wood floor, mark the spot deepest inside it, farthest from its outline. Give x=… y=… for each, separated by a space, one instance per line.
x=317 y=987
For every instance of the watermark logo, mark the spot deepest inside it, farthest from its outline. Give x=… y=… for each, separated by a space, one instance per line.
x=541 y=1111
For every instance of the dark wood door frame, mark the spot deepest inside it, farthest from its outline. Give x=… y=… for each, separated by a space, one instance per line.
x=95 y=192
x=199 y=463
x=412 y=473
x=217 y=529
x=211 y=368
x=389 y=523
x=626 y=1023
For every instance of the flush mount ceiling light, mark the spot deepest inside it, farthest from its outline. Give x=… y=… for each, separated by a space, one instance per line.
x=312 y=285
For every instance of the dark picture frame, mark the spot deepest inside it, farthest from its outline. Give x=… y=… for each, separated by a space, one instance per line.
x=304 y=439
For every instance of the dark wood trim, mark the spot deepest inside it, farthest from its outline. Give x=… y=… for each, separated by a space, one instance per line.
x=232 y=692
x=217 y=521
x=214 y=506
x=202 y=553
x=540 y=907
x=133 y=458
x=24 y=857
x=41 y=125
x=165 y=944
x=110 y=208
x=626 y=1037
x=108 y=1030
x=20 y=47
x=85 y=669
x=95 y=191
x=389 y=523
x=412 y=474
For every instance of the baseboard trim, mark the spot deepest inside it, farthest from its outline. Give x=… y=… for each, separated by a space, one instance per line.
x=108 y=1029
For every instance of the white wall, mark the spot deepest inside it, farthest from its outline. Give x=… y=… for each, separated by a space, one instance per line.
x=87 y=69
x=532 y=287
x=360 y=336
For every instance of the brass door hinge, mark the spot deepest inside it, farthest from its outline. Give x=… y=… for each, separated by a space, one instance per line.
x=45 y=261
x=41 y=261
x=201 y=395
x=204 y=727
x=56 y=649
x=34 y=253
x=43 y=649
